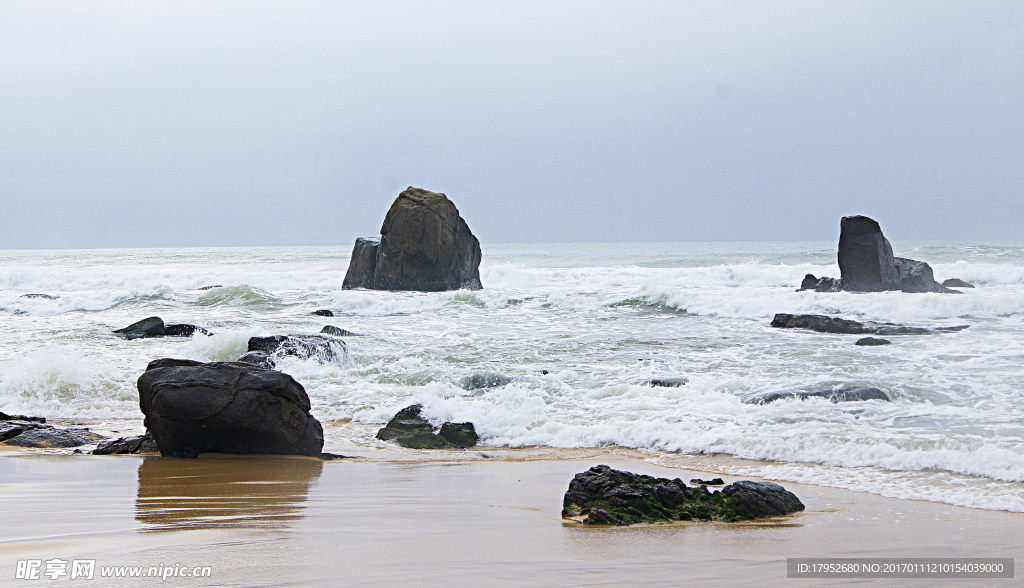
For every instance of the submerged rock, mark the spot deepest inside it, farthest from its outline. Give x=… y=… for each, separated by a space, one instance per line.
x=193 y=407
x=409 y=429
x=184 y=330
x=425 y=245
x=43 y=296
x=830 y=324
x=322 y=312
x=613 y=497
x=667 y=382
x=871 y=341
x=338 y=332
x=481 y=380
x=269 y=350
x=844 y=393
x=127 y=445
x=956 y=283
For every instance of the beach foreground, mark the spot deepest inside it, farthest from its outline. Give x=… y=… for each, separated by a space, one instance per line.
x=286 y=521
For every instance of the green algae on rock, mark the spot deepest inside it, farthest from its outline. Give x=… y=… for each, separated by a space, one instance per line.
x=613 y=497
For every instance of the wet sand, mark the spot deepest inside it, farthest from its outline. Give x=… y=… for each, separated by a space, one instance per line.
x=280 y=521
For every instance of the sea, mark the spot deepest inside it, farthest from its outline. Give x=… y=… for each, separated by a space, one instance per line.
x=581 y=330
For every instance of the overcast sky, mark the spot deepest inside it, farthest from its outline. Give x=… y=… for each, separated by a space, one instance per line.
x=149 y=124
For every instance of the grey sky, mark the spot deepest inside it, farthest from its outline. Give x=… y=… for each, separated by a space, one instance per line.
x=127 y=124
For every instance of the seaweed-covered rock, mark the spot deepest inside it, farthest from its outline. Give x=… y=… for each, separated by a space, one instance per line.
x=127 y=445
x=425 y=245
x=409 y=429
x=612 y=497
x=843 y=393
x=48 y=436
x=484 y=380
x=193 y=407
x=831 y=324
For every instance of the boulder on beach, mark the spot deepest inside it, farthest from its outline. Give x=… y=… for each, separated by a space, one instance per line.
x=127 y=445
x=425 y=245
x=154 y=327
x=605 y=496
x=409 y=429
x=193 y=407
x=834 y=394
x=830 y=324
x=35 y=433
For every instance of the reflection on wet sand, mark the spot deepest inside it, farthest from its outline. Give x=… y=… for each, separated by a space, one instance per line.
x=223 y=492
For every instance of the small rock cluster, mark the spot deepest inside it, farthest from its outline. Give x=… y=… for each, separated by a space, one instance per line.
x=409 y=429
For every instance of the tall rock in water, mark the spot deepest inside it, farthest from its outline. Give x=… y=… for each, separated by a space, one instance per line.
x=865 y=256
x=424 y=246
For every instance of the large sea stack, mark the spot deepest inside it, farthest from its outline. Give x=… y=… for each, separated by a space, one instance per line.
x=424 y=246
x=193 y=407
x=866 y=264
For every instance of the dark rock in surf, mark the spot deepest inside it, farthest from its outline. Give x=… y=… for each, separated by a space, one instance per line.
x=667 y=382
x=409 y=429
x=820 y=284
x=425 y=246
x=322 y=312
x=154 y=327
x=808 y=283
x=865 y=256
x=256 y=358
x=184 y=330
x=338 y=332
x=844 y=393
x=612 y=497
x=715 y=482
x=332 y=456
x=829 y=324
x=127 y=445
x=147 y=327
x=956 y=283
x=363 y=264
x=210 y=287
x=318 y=347
x=481 y=380
x=43 y=296
x=917 y=276
x=193 y=408
x=21 y=417
x=871 y=342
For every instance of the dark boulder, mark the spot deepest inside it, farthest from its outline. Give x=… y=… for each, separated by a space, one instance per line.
x=808 y=283
x=322 y=312
x=612 y=497
x=714 y=482
x=667 y=382
x=257 y=358
x=147 y=327
x=21 y=417
x=865 y=256
x=425 y=246
x=871 y=341
x=193 y=408
x=409 y=429
x=127 y=445
x=363 y=264
x=830 y=324
x=956 y=283
x=917 y=276
x=338 y=332
x=318 y=347
x=844 y=393
x=481 y=380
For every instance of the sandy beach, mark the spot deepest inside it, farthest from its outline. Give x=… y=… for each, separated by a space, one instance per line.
x=438 y=519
